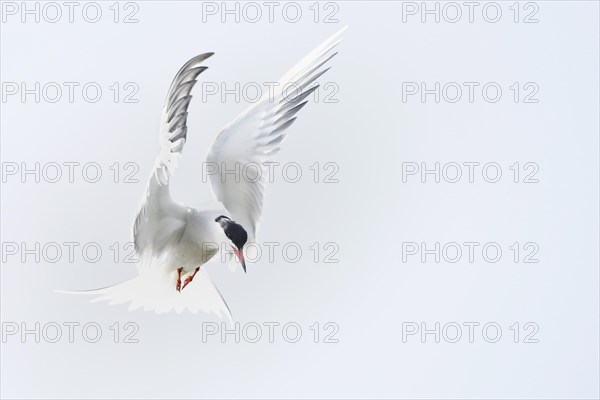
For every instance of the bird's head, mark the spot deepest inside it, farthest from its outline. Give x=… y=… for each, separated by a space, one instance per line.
x=237 y=236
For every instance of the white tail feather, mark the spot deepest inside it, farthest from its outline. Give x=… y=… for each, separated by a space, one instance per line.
x=154 y=290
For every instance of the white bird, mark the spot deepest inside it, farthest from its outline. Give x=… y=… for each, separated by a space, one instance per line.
x=173 y=241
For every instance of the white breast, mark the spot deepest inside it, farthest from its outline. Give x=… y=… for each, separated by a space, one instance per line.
x=201 y=239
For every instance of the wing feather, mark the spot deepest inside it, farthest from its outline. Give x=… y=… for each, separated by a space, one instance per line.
x=255 y=136
x=158 y=219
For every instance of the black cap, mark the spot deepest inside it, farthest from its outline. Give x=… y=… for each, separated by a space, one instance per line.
x=234 y=231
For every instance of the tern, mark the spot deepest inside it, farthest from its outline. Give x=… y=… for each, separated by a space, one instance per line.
x=173 y=241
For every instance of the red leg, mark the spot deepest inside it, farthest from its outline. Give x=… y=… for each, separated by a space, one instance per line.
x=190 y=278
x=178 y=286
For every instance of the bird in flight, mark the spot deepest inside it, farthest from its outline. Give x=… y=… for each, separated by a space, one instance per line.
x=173 y=241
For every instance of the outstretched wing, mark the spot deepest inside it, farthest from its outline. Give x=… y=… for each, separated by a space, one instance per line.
x=158 y=219
x=255 y=135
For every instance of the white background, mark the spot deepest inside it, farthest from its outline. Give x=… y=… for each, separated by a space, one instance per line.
x=369 y=133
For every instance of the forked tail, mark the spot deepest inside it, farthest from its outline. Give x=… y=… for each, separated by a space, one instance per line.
x=154 y=290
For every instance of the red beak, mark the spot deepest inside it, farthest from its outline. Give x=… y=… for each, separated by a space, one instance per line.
x=240 y=257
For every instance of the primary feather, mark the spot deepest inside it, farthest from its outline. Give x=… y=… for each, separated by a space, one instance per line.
x=255 y=136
